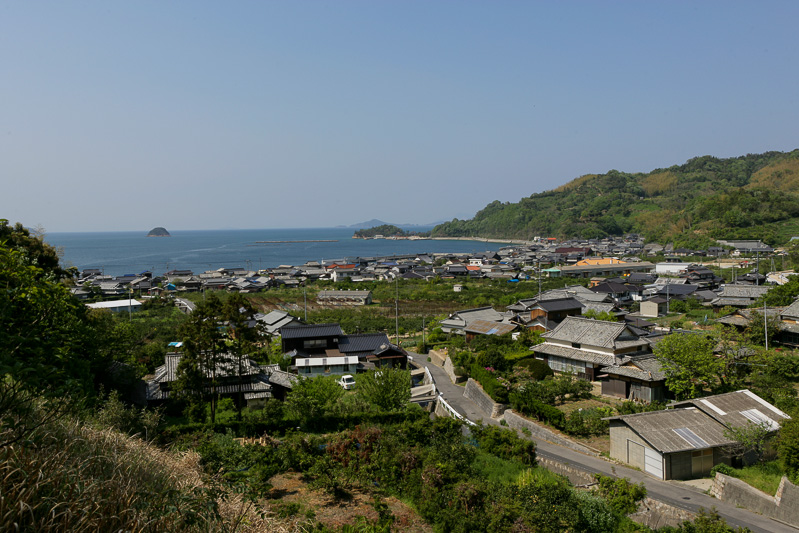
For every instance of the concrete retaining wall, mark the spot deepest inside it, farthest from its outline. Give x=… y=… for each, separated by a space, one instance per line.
x=483 y=401
x=449 y=368
x=576 y=475
x=440 y=359
x=437 y=357
x=783 y=506
x=656 y=514
x=538 y=431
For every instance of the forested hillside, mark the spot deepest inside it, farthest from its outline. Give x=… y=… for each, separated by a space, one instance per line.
x=752 y=196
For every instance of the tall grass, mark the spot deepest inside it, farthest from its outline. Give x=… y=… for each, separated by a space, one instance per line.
x=72 y=477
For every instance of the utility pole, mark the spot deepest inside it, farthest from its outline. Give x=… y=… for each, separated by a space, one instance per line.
x=667 y=295
x=765 y=320
x=305 y=299
x=539 y=278
x=757 y=267
x=396 y=307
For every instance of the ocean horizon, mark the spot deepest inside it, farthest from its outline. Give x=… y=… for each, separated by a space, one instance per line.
x=130 y=252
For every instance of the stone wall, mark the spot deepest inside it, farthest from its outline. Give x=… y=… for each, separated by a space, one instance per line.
x=540 y=432
x=575 y=475
x=483 y=401
x=656 y=514
x=784 y=506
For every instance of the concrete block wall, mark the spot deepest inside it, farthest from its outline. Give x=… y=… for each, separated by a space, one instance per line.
x=437 y=357
x=538 y=431
x=449 y=368
x=784 y=506
x=484 y=402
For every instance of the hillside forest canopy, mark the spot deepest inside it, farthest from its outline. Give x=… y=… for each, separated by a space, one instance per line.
x=755 y=196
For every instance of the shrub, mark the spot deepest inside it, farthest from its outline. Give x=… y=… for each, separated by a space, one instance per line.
x=622 y=495
x=538 y=369
x=490 y=384
x=504 y=443
x=541 y=411
x=585 y=422
x=722 y=469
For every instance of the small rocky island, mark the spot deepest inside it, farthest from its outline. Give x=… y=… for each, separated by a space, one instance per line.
x=158 y=232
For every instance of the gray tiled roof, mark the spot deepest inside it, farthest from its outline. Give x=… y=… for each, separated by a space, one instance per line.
x=743 y=291
x=367 y=342
x=311 y=331
x=792 y=310
x=560 y=304
x=611 y=335
x=573 y=353
x=643 y=367
x=489 y=327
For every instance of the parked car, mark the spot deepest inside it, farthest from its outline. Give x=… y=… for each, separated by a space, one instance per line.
x=347 y=382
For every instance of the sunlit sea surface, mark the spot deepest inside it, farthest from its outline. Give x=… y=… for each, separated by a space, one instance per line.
x=119 y=253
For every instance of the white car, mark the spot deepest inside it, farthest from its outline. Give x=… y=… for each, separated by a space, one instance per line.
x=347 y=382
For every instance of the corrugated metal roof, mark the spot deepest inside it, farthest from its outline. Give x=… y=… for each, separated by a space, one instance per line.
x=488 y=327
x=733 y=404
x=657 y=428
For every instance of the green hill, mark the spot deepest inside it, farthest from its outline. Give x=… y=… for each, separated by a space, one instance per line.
x=752 y=196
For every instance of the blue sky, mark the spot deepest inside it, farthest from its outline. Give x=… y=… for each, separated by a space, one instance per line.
x=204 y=115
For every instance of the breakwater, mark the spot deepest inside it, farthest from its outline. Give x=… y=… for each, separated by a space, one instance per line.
x=296 y=241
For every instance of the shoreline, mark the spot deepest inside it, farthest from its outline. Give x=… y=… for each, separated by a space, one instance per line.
x=481 y=239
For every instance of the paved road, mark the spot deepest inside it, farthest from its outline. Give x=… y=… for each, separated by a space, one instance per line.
x=672 y=492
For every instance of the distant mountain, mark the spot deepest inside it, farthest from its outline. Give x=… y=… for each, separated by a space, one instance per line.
x=755 y=196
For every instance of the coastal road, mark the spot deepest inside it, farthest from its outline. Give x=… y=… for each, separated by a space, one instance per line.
x=673 y=493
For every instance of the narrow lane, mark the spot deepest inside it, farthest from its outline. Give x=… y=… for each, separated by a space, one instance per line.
x=671 y=492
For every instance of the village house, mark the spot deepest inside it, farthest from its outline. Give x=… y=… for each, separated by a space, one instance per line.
x=251 y=379
x=583 y=346
x=686 y=441
x=344 y=297
x=324 y=349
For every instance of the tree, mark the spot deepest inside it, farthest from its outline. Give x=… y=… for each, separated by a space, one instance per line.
x=788 y=447
x=607 y=316
x=757 y=328
x=204 y=349
x=312 y=398
x=387 y=388
x=689 y=364
x=47 y=353
x=751 y=438
x=243 y=332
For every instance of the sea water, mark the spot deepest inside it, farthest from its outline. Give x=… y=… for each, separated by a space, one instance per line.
x=119 y=253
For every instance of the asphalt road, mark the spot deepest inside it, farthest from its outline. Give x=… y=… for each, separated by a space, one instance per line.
x=673 y=493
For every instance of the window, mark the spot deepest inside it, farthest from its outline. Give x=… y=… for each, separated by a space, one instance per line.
x=560 y=364
x=314 y=343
